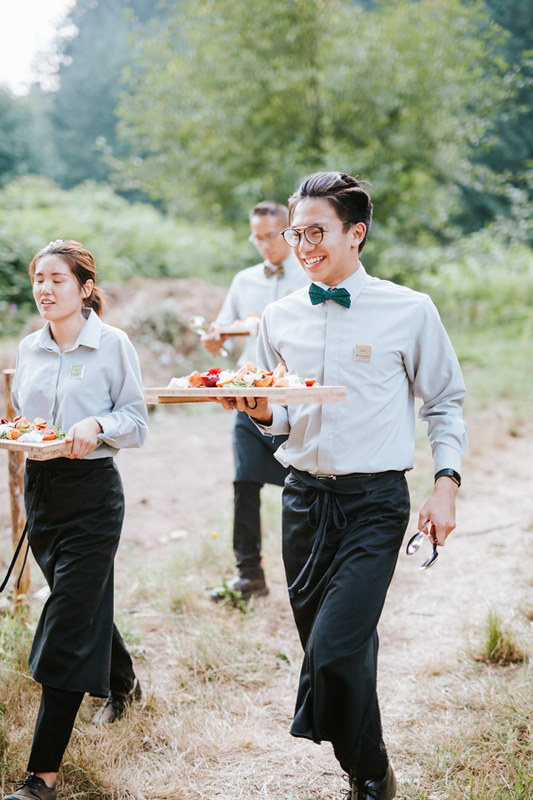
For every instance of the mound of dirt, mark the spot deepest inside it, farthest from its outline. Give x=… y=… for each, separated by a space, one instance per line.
x=155 y=315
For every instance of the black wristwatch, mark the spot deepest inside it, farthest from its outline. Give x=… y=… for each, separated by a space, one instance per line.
x=448 y=473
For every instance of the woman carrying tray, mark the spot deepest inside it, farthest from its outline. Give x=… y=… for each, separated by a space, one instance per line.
x=83 y=376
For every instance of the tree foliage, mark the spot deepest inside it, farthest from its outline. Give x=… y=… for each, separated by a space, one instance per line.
x=93 y=47
x=127 y=239
x=25 y=142
x=232 y=101
x=507 y=149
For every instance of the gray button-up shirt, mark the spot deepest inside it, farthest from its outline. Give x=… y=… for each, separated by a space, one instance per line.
x=99 y=377
x=387 y=348
x=251 y=291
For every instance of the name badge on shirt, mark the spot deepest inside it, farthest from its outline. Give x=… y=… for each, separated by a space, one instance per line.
x=362 y=352
x=76 y=371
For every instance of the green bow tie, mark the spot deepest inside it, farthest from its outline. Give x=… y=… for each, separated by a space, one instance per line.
x=319 y=295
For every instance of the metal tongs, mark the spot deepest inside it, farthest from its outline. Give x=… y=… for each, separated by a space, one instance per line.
x=414 y=543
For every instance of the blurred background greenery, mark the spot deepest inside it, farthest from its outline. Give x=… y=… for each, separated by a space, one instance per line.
x=166 y=121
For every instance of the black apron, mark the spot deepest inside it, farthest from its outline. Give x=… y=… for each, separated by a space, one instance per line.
x=75 y=512
x=341 y=539
x=253 y=453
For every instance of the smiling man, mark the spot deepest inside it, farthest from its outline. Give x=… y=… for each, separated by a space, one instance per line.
x=345 y=501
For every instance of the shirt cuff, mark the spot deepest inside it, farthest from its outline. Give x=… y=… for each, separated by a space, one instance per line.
x=279 y=425
x=446 y=457
x=109 y=430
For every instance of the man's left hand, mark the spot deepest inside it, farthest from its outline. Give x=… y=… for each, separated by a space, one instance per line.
x=256 y=407
x=439 y=510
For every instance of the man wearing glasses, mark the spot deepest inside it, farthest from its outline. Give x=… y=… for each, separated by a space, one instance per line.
x=345 y=501
x=251 y=290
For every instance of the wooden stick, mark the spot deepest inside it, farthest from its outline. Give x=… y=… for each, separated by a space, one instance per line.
x=16 y=498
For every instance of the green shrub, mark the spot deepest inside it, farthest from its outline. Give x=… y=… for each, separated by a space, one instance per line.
x=479 y=280
x=126 y=239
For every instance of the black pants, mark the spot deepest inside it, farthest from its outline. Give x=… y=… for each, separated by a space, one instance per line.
x=340 y=546
x=58 y=709
x=247 y=528
x=75 y=511
x=255 y=465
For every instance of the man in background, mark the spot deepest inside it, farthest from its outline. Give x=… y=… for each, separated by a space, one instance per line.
x=251 y=290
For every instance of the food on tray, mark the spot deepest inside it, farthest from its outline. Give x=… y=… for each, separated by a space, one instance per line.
x=248 y=325
x=22 y=430
x=247 y=376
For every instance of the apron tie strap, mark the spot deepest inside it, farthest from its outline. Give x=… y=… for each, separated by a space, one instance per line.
x=325 y=508
x=36 y=486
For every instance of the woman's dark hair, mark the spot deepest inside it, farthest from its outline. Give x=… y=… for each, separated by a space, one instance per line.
x=81 y=264
x=346 y=194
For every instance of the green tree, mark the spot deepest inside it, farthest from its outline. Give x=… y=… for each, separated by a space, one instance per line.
x=231 y=101
x=93 y=47
x=507 y=149
x=25 y=141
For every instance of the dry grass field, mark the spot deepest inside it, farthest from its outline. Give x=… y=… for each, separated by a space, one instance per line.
x=219 y=683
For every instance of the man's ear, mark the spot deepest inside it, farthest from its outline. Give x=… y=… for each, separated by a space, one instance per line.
x=358 y=233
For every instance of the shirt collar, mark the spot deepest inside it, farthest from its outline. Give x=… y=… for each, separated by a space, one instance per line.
x=353 y=283
x=89 y=335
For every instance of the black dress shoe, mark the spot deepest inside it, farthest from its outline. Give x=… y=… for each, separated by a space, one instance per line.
x=32 y=788
x=116 y=704
x=248 y=587
x=385 y=789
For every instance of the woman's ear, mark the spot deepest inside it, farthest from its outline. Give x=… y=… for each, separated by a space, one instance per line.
x=87 y=288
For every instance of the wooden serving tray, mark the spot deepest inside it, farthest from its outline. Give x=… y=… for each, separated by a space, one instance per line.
x=277 y=395
x=234 y=329
x=38 y=451
x=228 y=330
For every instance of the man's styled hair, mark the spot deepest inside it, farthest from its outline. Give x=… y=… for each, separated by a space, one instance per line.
x=346 y=194
x=270 y=207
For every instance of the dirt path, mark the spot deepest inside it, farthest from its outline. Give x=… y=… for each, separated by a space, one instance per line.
x=429 y=617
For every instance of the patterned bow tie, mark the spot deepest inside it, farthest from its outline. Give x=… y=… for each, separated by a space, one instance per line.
x=271 y=270
x=319 y=295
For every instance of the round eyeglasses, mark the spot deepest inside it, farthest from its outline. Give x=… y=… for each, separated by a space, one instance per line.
x=266 y=239
x=313 y=234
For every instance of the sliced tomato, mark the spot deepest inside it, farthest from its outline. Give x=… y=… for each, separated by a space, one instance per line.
x=310 y=381
x=48 y=434
x=209 y=378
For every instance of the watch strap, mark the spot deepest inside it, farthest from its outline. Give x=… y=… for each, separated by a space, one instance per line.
x=449 y=473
